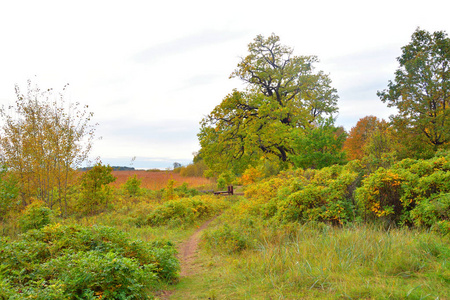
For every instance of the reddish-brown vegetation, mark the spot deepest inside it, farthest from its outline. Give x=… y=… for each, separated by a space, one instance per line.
x=158 y=180
x=360 y=134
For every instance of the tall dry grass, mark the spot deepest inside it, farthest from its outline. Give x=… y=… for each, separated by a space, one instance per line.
x=318 y=261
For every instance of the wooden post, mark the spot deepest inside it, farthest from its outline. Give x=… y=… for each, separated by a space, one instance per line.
x=230 y=190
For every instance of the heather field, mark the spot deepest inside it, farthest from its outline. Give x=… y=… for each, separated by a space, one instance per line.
x=154 y=180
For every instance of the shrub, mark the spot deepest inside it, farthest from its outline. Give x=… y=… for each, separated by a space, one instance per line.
x=267 y=189
x=226 y=239
x=185 y=210
x=95 y=192
x=132 y=186
x=35 y=216
x=184 y=191
x=6 y=290
x=410 y=192
x=100 y=275
x=9 y=190
x=306 y=195
x=321 y=195
x=73 y=262
x=225 y=179
x=251 y=175
x=434 y=212
x=380 y=195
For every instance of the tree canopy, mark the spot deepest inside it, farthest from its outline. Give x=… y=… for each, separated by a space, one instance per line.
x=283 y=93
x=360 y=134
x=421 y=89
x=43 y=140
x=321 y=146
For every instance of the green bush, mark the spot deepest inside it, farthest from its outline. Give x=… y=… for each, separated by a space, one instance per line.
x=6 y=290
x=306 y=195
x=132 y=186
x=322 y=195
x=226 y=239
x=94 y=273
x=225 y=179
x=35 y=216
x=184 y=191
x=433 y=213
x=185 y=210
x=380 y=195
x=410 y=192
x=9 y=190
x=75 y=262
x=95 y=191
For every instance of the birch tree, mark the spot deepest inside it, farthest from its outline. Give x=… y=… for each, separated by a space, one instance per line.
x=43 y=140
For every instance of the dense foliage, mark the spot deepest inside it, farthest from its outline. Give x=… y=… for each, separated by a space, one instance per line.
x=95 y=191
x=35 y=216
x=319 y=146
x=284 y=94
x=306 y=195
x=44 y=139
x=74 y=262
x=410 y=192
x=184 y=211
x=421 y=92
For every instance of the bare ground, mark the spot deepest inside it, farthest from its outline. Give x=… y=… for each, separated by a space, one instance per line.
x=187 y=253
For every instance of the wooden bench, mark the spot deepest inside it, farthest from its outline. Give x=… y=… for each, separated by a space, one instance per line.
x=229 y=191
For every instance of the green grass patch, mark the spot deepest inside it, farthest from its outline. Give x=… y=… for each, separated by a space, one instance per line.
x=317 y=261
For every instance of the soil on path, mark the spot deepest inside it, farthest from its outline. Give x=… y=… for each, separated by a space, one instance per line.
x=187 y=254
x=187 y=251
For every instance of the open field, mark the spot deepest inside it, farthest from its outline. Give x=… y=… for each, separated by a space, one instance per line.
x=158 y=180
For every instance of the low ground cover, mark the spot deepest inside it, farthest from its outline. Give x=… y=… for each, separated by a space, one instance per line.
x=157 y=180
x=73 y=262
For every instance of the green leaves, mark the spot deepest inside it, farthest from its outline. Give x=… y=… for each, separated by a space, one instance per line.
x=319 y=146
x=411 y=191
x=43 y=139
x=75 y=262
x=421 y=89
x=283 y=92
x=133 y=186
x=95 y=192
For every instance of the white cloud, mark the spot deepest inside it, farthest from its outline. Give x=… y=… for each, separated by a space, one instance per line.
x=185 y=44
x=151 y=71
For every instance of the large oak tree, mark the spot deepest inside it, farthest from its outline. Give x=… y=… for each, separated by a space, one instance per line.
x=283 y=93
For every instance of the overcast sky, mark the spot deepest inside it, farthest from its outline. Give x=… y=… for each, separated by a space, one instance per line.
x=151 y=70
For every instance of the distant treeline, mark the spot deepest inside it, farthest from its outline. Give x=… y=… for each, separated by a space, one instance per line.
x=115 y=168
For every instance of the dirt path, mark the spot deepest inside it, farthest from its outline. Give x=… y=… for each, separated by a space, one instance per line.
x=187 y=254
x=187 y=251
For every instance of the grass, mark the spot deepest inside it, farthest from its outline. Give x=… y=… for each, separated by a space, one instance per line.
x=296 y=261
x=178 y=228
x=322 y=262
